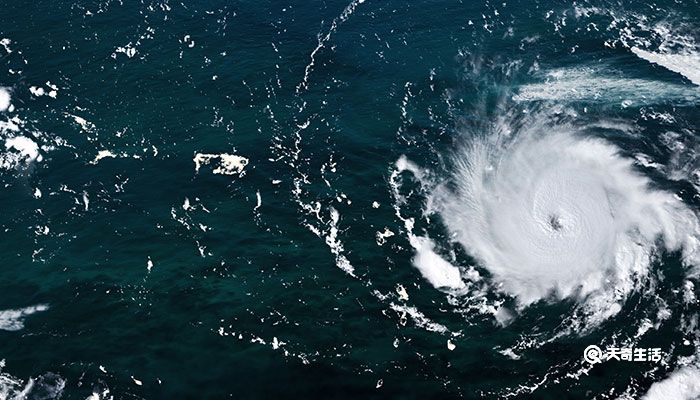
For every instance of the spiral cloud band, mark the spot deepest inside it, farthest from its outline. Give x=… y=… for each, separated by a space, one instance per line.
x=560 y=215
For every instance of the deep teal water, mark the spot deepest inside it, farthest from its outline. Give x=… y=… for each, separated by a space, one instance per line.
x=232 y=278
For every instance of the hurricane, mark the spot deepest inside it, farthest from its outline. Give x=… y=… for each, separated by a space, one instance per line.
x=552 y=213
x=350 y=199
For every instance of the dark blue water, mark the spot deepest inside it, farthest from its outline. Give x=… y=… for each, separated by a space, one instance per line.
x=127 y=273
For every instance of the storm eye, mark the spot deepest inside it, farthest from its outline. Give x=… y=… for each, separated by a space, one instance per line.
x=555 y=222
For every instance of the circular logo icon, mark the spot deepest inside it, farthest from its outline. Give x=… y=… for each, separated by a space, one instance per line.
x=593 y=354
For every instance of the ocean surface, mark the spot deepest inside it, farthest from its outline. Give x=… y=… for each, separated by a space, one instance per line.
x=348 y=199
